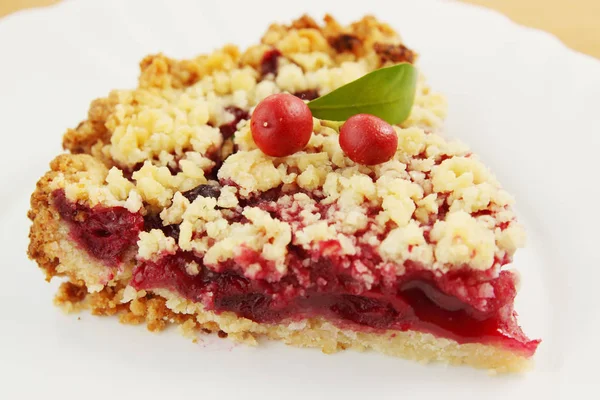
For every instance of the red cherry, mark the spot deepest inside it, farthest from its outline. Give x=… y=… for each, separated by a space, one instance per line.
x=281 y=125
x=368 y=140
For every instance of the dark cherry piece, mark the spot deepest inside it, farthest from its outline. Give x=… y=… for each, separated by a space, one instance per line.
x=153 y=221
x=106 y=233
x=204 y=191
x=309 y=94
x=174 y=169
x=270 y=62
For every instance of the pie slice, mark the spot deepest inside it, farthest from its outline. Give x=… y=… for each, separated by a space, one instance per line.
x=165 y=211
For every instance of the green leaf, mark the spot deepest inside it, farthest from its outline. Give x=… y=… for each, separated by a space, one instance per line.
x=387 y=93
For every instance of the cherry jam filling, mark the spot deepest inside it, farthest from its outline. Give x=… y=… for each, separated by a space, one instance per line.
x=270 y=62
x=106 y=233
x=153 y=221
x=446 y=306
x=416 y=302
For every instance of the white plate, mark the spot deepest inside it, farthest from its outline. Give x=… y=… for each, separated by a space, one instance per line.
x=527 y=104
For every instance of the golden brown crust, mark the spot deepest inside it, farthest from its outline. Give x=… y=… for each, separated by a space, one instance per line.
x=44 y=234
x=394 y=53
x=44 y=228
x=304 y=22
x=155 y=312
x=74 y=297
x=345 y=42
x=91 y=131
x=160 y=71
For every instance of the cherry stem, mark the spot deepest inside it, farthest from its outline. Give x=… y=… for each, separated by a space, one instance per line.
x=335 y=125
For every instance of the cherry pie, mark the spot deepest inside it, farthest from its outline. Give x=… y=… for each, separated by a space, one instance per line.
x=165 y=211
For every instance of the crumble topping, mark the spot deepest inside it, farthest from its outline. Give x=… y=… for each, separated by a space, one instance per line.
x=462 y=239
x=434 y=203
x=407 y=243
x=155 y=243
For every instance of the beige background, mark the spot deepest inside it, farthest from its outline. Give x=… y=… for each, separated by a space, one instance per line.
x=575 y=22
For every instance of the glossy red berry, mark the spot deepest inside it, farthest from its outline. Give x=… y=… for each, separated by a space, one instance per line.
x=368 y=140
x=281 y=125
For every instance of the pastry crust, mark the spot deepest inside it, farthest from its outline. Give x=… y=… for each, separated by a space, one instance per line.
x=48 y=235
x=163 y=309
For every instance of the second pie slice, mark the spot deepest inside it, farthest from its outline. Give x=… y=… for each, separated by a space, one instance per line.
x=166 y=211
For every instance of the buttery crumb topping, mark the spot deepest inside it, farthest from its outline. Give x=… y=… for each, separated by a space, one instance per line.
x=434 y=204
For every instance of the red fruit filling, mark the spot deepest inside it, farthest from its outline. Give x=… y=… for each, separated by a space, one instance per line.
x=451 y=305
x=106 y=233
x=415 y=302
x=270 y=62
